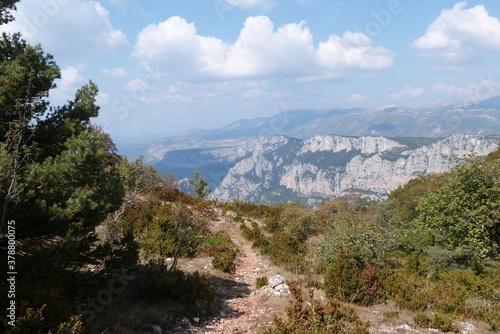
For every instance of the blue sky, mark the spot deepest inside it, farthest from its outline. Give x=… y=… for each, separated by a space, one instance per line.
x=167 y=66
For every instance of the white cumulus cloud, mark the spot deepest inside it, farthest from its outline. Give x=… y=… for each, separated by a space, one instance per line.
x=70 y=27
x=478 y=90
x=407 y=92
x=357 y=97
x=116 y=72
x=353 y=50
x=175 y=47
x=136 y=85
x=71 y=80
x=460 y=34
x=246 y=3
x=120 y=3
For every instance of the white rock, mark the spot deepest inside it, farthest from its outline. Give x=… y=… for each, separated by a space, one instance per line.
x=283 y=289
x=467 y=326
x=157 y=329
x=405 y=327
x=275 y=280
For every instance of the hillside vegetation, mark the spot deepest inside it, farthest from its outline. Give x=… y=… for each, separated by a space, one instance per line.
x=431 y=248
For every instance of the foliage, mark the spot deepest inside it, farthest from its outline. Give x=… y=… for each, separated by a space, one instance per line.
x=464 y=214
x=352 y=221
x=222 y=248
x=316 y=317
x=173 y=232
x=403 y=201
x=260 y=282
x=421 y=320
x=487 y=311
x=285 y=250
x=225 y=261
x=73 y=191
x=255 y=234
x=5 y=7
x=154 y=283
x=350 y=280
x=443 y=323
x=297 y=222
x=253 y=210
x=214 y=243
x=199 y=185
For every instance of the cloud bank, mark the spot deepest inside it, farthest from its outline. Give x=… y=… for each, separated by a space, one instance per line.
x=174 y=46
x=460 y=35
x=67 y=28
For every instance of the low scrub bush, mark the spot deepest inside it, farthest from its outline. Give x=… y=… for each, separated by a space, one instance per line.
x=421 y=320
x=224 y=261
x=154 y=284
x=487 y=312
x=215 y=243
x=250 y=234
x=254 y=234
x=350 y=280
x=249 y=209
x=173 y=195
x=286 y=251
x=260 y=282
x=316 y=317
x=391 y=314
x=443 y=323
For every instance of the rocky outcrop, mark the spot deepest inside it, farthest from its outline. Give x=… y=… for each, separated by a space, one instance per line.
x=276 y=286
x=365 y=145
x=325 y=167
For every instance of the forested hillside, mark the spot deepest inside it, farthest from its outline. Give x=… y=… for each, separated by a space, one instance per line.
x=94 y=243
x=82 y=227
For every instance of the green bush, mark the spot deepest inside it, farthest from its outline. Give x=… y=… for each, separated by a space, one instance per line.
x=421 y=320
x=298 y=222
x=286 y=251
x=214 y=243
x=253 y=210
x=316 y=317
x=391 y=314
x=443 y=323
x=261 y=281
x=350 y=280
x=488 y=312
x=413 y=293
x=154 y=284
x=262 y=244
x=225 y=261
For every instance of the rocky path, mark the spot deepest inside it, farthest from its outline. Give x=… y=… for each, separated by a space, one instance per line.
x=244 y=310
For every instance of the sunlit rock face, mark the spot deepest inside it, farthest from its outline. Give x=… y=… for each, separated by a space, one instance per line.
x=280 y=168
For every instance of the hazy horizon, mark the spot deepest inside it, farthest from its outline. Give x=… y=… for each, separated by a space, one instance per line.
x=165 y=67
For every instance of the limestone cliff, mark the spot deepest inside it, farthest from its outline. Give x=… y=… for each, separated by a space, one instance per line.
x=279 y=168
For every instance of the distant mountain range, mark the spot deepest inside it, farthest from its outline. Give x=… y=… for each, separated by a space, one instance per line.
x=263 y=159
x=388 y=121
